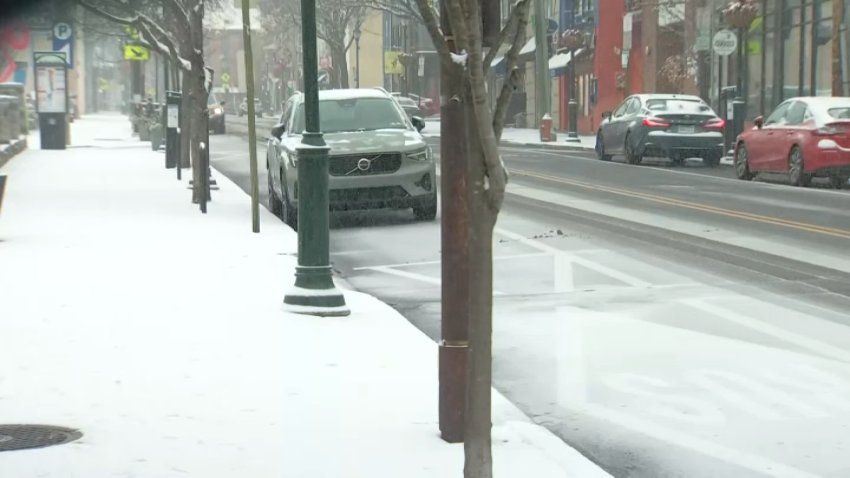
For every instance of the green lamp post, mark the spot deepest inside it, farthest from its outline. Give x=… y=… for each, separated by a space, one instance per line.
x=314 y=292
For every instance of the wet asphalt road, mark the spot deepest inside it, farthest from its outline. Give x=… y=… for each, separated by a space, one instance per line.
x=666 y=321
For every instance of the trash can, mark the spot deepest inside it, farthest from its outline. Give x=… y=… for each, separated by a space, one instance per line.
x=17 y=90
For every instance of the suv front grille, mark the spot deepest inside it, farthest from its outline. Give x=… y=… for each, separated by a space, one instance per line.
x=364 y=164
x=364 y=195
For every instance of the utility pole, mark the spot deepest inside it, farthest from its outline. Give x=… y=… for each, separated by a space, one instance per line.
x=454 y=213
x=252 y=120
x=541 y=62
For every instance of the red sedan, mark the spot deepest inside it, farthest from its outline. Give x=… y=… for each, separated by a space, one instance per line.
x=803 y=137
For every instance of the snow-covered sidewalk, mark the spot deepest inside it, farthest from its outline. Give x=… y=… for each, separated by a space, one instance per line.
x=159 y=333
x=528 y=137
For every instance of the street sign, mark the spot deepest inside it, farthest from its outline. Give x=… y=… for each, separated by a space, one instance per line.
x=724 y=43
x=136 y=53
x=131 y=32
x=421 y=66
x=225 y=77
x=63 y=40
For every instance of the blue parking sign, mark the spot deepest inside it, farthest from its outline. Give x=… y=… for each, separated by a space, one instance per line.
x=63 y=40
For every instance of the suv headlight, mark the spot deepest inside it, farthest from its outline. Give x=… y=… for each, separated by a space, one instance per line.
x=217 y=111
x=423 y=154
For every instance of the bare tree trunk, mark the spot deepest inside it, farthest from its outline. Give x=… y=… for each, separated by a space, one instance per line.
x=198 y=109
x=185 y=122
x=478 y=461
x=340 y=64
x=837 y=73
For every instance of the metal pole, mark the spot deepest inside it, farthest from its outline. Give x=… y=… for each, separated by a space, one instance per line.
x=541 y=60
x=572 y=134
x=314 y=271
x=455 y=219
x=252 y=131
x=357 y=59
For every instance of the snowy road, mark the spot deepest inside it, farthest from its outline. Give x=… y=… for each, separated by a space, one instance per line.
x=665 y=321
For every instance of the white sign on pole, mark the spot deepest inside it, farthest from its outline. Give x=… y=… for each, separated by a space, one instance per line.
x=724 y=42
x=172 y=116
x=421 y=66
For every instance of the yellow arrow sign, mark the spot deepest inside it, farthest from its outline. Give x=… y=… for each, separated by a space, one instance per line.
x=136 y=53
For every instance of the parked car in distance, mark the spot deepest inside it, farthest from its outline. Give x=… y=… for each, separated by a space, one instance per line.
x=258 y=107
x=427 y=106
x=378 y=158
x=215 y=109
x=803 y=137
x=409 y=106
x=676 y=127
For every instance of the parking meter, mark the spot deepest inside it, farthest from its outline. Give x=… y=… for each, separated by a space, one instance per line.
x=172 y=130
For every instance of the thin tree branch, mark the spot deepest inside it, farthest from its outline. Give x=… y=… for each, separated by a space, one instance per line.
x=433 y=28
x=508 y=31
x=511 y=73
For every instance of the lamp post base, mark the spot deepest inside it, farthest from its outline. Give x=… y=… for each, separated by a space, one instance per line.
x=314 y=293
x=572 y=137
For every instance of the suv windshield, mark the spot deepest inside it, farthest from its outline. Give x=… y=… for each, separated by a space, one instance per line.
x=212 y=100
x=354 y=114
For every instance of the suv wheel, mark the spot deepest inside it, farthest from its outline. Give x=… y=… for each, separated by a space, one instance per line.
x=275 y=205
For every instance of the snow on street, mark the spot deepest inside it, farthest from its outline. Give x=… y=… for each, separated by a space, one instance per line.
x=159 y=333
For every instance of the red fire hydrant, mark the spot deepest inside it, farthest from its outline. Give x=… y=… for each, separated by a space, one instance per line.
x=546 y=129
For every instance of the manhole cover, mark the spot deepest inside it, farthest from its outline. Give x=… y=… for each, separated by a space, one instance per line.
x=20 y=437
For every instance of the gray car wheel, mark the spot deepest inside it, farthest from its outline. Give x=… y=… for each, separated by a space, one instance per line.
x=275 y=205
x=796 y=168
x=631 y=156
x=288 y=212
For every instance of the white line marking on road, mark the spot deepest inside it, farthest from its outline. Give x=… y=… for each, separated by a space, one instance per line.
x=352 y=253
x=696 y=444
x=570 y=365
x=605 y=270
x=766 y=328
x=415 y=276
x=564 y=277
x=431 y=263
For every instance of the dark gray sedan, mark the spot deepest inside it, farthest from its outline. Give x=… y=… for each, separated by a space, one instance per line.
x=658 y=125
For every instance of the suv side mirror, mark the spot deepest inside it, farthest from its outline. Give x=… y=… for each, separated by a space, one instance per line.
x=223 y=102
x=606 y=115
x=418 y=122
x=278 y=130
x=759 y=122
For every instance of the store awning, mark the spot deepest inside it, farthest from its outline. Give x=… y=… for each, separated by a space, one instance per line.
x=528 y=47
x=561 y=60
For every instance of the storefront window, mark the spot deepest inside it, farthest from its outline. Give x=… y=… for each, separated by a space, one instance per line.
x=792 y=51
x=823 y=49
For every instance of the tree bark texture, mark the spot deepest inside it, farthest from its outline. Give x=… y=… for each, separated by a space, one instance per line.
x=485 y=189
x=340 y=66
x=185 y=121
x=837 y=73
x=478 y=462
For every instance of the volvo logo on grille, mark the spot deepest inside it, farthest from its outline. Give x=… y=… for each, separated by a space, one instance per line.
x=364 y=164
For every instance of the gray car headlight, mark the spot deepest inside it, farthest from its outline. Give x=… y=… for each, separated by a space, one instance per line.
x=420 y=154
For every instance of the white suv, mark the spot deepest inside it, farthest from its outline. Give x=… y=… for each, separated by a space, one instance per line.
x=378 y=158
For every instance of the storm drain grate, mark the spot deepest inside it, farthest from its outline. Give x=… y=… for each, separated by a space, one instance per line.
x=21 y=437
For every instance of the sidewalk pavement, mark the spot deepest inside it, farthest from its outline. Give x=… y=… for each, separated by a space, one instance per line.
x=527 y=137
x=159 y=333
